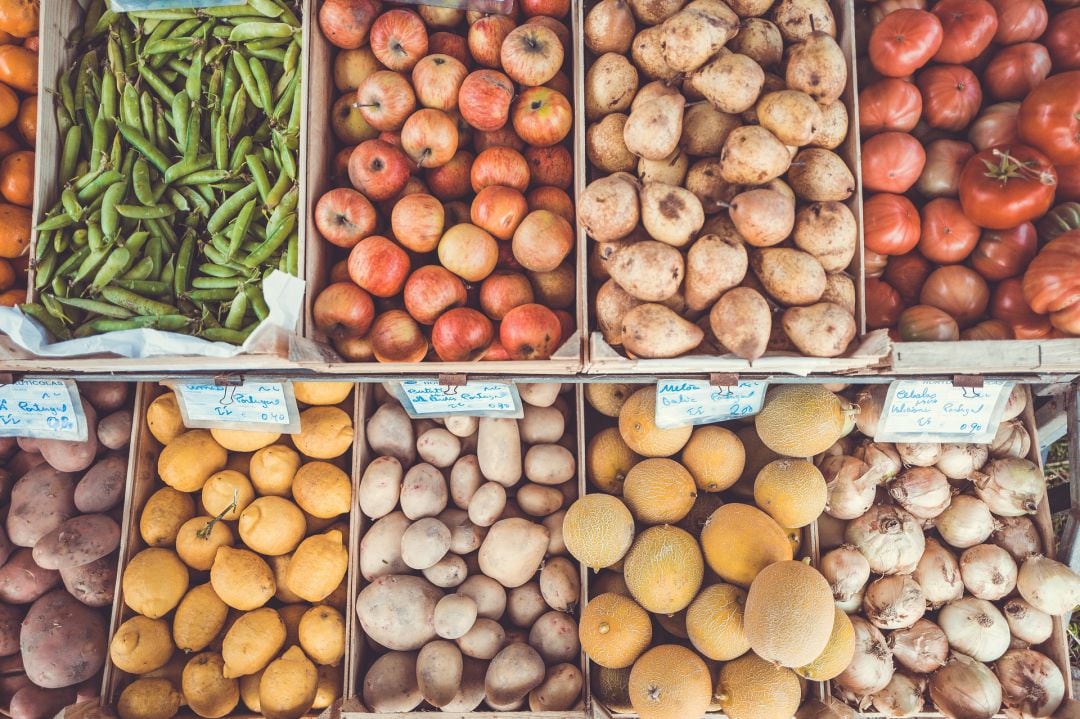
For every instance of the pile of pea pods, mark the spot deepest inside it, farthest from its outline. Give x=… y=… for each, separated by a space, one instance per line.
x=181 y=136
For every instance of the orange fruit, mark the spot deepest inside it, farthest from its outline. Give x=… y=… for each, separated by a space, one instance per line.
x=7 y=276
x=791 y=491
x=26 y=122
x=18 y=66
x=9 y=105
x=671 y=681
x=15 y=226
x=12 y=298
x=17 y=178
x=19 y=17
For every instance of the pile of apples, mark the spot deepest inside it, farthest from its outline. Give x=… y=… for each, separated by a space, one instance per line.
x=455 y=169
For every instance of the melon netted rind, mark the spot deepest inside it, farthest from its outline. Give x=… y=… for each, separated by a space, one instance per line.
x=614 y=630
x=752 y=688
x=739 y=541
x=598 y=530
x=637 y=425
x=664 y=569
x=791 y=491
x=838 y=652
x=659 y=490
x=800 y=420
x=714 y=622
x=612 y=688
x=715 y=456
x=789 y=614
x=670 y=682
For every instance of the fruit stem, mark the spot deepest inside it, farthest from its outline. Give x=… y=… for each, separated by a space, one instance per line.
x=204 y=533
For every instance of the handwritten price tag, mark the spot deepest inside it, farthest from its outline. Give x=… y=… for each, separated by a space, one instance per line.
x=935 y=410
x=428 y=398
x=682 y=402
x=143 y=5
x=258 y=406
x=42 y=408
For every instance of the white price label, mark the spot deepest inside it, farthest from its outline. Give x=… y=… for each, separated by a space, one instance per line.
x=251 y=405
x=42 y=408
x=428 y=398
x=144 y=5
x=682 y=402
x=936 y=410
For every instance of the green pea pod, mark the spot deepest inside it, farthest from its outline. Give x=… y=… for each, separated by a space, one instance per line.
x=258 y=174
x=178 y=200
x=291 y=63
x=239 y=229
x=203 y=177
x=211 y=270
x=230 y=82
x=193 y=84
x=226 y=11
x=186 y=166
x=99 y=139
x=89 y=265
x=71 y=203
x=138 y=140
x=255 y=30
x=154 y=288
x=267 y=43
x=157 y=84
x=136 y=242
x=281 y=186
x=56 y=222
x=238 y=308
x=38 y=313
x=142 y=212
x=288 y=16
x=162 y=126
x=215 y=283
x=165 y=14
x=109 y=98
x=257 y=302
x=236 y=113
x=292 y=255
x=191 y=138
x=231 y=207
x=116 y=156
x=67 y=94
x=275 y=55
x=287 y=206
x=110 y=216
x=146 y=111
x=266 y=8
x=57 y=310
x=262 y=82
x=140 y=182
x=96 y=307
x=72 y=261
x=240 y=150
x=137 y=303
x=113 y=266
x=128 y=53
x=129 y=106
x=142 y=269
x=169 y=46
x=61 y=242
x=247 y=80
x=183 y=264
x=87 y=64
x=95 y=238
x=162 y=30
x=286 y=159
x=212 y=295
x=199 y=205
x=43 y=271
x=106 y=21
x=43 y=245
x=272 y=243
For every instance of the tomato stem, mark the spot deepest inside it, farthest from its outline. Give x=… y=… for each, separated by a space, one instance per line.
x=1009 y=168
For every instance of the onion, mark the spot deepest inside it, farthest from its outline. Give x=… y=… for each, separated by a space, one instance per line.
x=852 y=605
x=872 y=666
x=921 y=648
x=1016 y=404
x=1030 y=682
x=869 y=400
x=965 y=689
x=851 y=486
x=846 y=570
x=891 y=539
x=882 y=457
x=1018 y=537
x=976 y=628
x=988 y=571
x=938 y=573
x=960 y=461
x=1027 y=623
x=1012 y=487
x=923 y=491
x=1012 y=440
x=894 y=602
x=965 y=523
x=842 y=446
x=827 y=708
x=902 y=697
x=919 y=454
x=1048 y=585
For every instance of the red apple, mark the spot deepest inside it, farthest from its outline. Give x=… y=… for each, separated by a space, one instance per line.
x=556 y=289
x=399 y=39
x=341 y=163
x=346 y=23
x=468 y=252
x=542 y=241
x=394 y=138
x=413 y=186
x=542 y=116
x=379 y=266
x=551 y=198
x=457 y=212
x=348 y=122
x=385 y=99
x=561 y=84
x=447 y=43
x=354 y=349
x=396 y=337
x=484 y=99
x=446 y=17
x=339 y=272
x=486 y=37
x=462 y=335
x=500 y=166
x=566 y=324
x=503 y=291
x=496 y=352
x=551 y=166
x=342 y=309
x=352 y=67
x=344 y=217
x=451 y=181
x=559 y=28
x=417 y=222
x=499 y=210
x=429 y=138
x=531 y=54
x=552 y=8
x=432 y=290
x=472 y=16
x=437 y=79
x=530 y=332
x=464 y=129
x=378 y=169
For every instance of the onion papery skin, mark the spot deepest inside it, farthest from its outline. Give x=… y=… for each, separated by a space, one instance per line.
x=967 y=522
x=1017 y=536
x=1012 y=440
x=872 y=668
x=1030 y=682
x=902 y=697
x=894 y=602
x=921 y=648
x=846 y=570
x=975 y=628
x=882 y=457
x=988 y=571
x=1012 y=487
x=965 y=689
x=1048 y=585
x=961 y=461
x=1028 y=624
x=919 y=454
x=938 y=573
x=924 y=492
x=891 y=539
x=851 y=486
x=869 y=401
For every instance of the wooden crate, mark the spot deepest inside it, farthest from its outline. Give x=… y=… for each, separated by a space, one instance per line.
x=142 y=482
x=321 y=149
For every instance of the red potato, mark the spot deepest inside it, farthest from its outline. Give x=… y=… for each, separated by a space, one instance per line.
x=78 y=541
x=62 y=641
x=22 y=581
x=92 y=584
x=40 y=502
x=102 y=487
x=36 y=703
x=10 y=620
x=114 y=431
x=105 y=397
x=70 y=456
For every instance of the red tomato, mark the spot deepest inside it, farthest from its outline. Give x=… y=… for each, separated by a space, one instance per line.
x=923 y=323
x=996 y=125
x=1052 y=282
x=1008 y=305
x=969 y=27
x=1016 y=70
x=988 y=330
x=951 y=96
x=891 y=162
x=874 y=263
x=958 y=290
x=1019 y=20
x=1002 y=254
x=889 y=104
x=883 y=304
x=1068 y=187
x=907 y=273
x=1049 y=118
x=1061 y=40
x=945 y=160
x=947 y=235
x=1007 y=185
x=904 y=41
x=891 y=224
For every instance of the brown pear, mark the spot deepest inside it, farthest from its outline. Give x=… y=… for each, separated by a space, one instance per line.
x=791 y=115
x=610 y=85
x=840 y=290
x=797 y=19
x=654 y=128
x=697 y=32
x=671 y=214
x=791 y=277
x=609 y=27
x=763 y=217
x=742 y=321
x=670 y=171
x=608 y=208
x=817 y=66
x=707 y=182
x=714 y=265
x=650 y=271
x=753 y=156
x=820 y=330
x=732 y=82
x=647 y=52
x=759 y=39
x=653 y=331
x=705 y=128
x=605 y=147
x=654 y=12
x=655 y=90
x=612 y=304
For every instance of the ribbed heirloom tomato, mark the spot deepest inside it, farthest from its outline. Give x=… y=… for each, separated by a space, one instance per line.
x=1001 y=254
x=891 y=224
x=1060 y=40
x=904 y=41
x=889 y=104
x=892 y=162
x=951 y=96
x=1007 y=185
x=1019 y=20
x=1015 y=70
x=948 y=236
x=1049 y=118
x=1052 y=282
x=1008 y=305
x=969 y=27
x=883 y=304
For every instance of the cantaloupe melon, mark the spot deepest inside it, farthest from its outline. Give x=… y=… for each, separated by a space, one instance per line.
x=670 y=682
x=659 y=491
x=838 y=652
x=739 y=541
x=789 y=614
x=791 y=491
x=673 y=624
x=612 y=688
x=637 y=425
x=752 y=688
x=608 y=460
x=607 y=398
x=705 y=504
x=715 y=457
x=614 y=630
x=800 y=420
x=598 y=530
x=714 y=622
x=664 y=569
